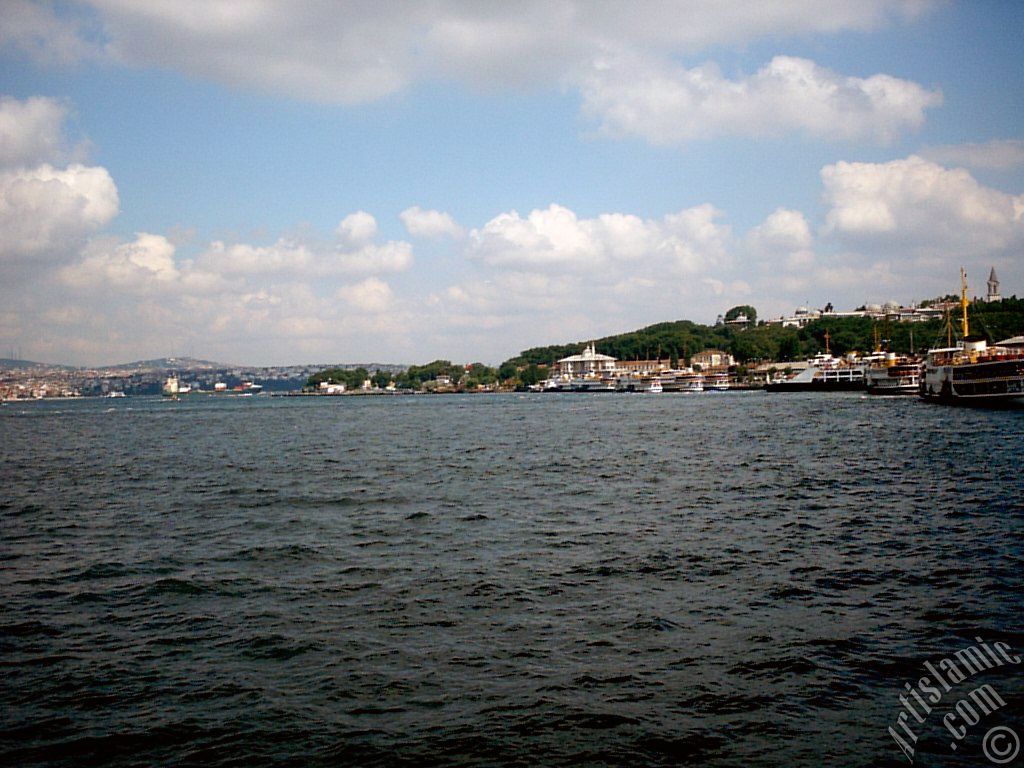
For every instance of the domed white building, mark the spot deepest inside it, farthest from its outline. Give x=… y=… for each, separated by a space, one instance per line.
x=587 y=364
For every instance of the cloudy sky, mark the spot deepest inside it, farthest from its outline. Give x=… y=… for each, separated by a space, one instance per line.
x=283 y=182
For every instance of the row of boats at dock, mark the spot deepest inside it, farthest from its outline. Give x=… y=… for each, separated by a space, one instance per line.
x=968 y=372
x=665 y=381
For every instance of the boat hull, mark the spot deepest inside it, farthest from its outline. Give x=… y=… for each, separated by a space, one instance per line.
x=844 y=385
x=990 y=383
x=911 y=388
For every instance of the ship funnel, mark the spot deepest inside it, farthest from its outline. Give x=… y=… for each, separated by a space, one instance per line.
x=975 y=344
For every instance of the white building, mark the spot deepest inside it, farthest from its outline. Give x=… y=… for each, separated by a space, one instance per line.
x=588 y=364
x=800 y=318
x=712 y=358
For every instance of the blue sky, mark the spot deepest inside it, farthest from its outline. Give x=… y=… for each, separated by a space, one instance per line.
x=293 y=182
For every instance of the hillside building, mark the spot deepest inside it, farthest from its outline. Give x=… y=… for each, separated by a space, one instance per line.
x=993 y=287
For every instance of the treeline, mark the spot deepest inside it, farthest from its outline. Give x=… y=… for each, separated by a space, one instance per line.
x=674 y=340
x=352 y=378
x=414 y=378
x=681 y=339
x=678 y=341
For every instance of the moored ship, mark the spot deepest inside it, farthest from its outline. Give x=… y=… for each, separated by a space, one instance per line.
x=716 y=382
x=893 y=375
x=973 y=373
x=823 y=373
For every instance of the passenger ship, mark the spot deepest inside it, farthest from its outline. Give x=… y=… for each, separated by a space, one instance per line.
x=892 y=375
x=972 y=373
x=823 y=373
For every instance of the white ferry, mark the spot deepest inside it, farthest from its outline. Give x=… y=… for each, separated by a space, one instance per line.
x=973 y=373
x=716 y=382
x=823 y=373
x=892 y=375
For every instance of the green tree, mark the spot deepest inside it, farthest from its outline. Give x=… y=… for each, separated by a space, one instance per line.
x=508 y=371
x=743 y=309
x=534 y=374
x=789 y=347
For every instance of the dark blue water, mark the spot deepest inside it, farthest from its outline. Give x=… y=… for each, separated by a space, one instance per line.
x=726 y=579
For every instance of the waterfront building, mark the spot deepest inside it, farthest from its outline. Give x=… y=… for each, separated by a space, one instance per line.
x=712 y=359
x=587 y=364
x=642 y=367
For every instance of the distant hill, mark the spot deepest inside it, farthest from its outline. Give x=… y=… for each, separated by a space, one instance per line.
x=178 y=363
x=371 y=367
x=7 y=362
x=679 y=339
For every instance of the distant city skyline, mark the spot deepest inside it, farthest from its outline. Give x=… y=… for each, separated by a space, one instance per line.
x=276 y=184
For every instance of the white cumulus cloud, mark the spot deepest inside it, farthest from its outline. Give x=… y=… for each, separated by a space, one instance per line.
x=47 y=211
x=370 y=295
x=783 y=237
x=430 y=224
x=147 y=262
x=916 y=202
x=354 y=253
x=555 y=238
x=357 y=228
x=31 y=131
x=669 y=104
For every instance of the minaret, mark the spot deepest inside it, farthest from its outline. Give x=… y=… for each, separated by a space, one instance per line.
x=993 y=287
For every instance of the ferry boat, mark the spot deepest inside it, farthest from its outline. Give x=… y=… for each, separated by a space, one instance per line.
x=579 y=384
x=973 y=373
x=716 y=382
x=824 y=373
x=690 y=381
x=892 y=375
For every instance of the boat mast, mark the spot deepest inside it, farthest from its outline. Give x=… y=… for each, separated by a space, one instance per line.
x=963 y=301
x=827 y=337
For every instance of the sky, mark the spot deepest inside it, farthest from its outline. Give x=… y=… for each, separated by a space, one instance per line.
x=278 y=183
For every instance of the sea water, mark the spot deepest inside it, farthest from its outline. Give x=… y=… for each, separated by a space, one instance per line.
x=726 y=579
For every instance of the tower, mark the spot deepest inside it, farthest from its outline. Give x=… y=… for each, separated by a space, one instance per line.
x=993 y=287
